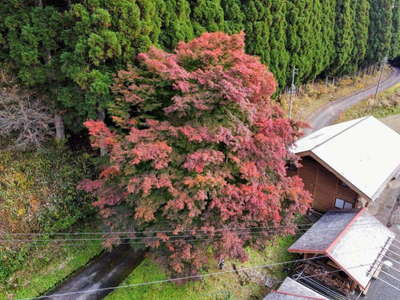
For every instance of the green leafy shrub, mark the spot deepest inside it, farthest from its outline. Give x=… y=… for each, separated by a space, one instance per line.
x=38 y=194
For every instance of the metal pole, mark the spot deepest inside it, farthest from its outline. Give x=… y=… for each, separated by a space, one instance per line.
x=380 y=76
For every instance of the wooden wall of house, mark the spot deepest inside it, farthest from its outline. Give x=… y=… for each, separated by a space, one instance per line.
x=324 y=185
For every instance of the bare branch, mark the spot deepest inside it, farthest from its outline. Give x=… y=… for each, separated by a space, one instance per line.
x=24 y=119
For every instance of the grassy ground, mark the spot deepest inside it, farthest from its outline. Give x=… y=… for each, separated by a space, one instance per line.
x=312 y=96
x=46 y=267
x=225 y=286
x=387 y=103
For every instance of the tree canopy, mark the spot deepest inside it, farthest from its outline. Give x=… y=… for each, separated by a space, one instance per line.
x=198 y=149
x=70 y=49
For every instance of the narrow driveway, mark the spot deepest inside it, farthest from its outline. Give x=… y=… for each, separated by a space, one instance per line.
x=330 y=112
x=107 y=270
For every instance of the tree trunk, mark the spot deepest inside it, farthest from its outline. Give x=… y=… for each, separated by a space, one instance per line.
x=59 y=124
x=40 y=3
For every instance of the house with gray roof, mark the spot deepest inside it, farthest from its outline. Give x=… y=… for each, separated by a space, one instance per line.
x=293 y=290
x=353 y=242
x=348 y=165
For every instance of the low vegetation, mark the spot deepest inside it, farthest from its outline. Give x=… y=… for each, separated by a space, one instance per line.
x=243 y=285
x=38 y=195
x=313 y=96
x=385 y=104
x=48 y=264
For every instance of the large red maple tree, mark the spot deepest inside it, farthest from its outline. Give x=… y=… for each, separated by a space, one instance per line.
x=197 y=154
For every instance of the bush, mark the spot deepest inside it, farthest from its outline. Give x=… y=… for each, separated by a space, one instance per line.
x=38 y=194
x=25 y=120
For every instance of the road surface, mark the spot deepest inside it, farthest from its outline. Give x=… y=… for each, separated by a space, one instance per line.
x=327 y=114
x=94 y=280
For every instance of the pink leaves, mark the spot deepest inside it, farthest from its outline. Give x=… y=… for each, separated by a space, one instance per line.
x=201 y=158
x=103 y=137
x=200 y=146
x=158 y=152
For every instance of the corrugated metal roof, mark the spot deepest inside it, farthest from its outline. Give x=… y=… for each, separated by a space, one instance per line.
x=293 y=290
x=357 y=248
x=364 y=152
x=358 y=251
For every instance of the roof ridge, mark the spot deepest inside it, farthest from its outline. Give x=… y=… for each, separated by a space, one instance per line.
x=340 y=132
x=345 y=229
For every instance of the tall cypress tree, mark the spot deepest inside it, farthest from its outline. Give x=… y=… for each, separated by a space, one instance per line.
x=360 y=27
x=344 y=41
x=176 y=24
x=328 y=20
x=234 y=16
x=207 y=15
x=279 y=56
x=395 y=42
x=380 y=31
x=319 y=42
x=300 y=34
x=257 y=28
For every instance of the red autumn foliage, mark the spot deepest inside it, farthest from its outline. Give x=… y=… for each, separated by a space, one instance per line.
x=198 y=151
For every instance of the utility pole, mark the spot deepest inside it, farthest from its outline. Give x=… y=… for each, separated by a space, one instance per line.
x=292 y=91
x=384 y=61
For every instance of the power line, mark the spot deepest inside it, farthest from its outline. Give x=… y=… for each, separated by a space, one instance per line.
x=248 y=230
x=132 y=238
x=176 y=279
x=137 y=239
x=194 y=277
x=142 y=232
x=202 y=276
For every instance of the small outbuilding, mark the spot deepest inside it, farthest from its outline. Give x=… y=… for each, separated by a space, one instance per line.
x=348 y=246
x=348 y=165
x=292 y=290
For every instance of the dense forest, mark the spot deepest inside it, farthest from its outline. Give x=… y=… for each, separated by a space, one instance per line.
x=68 y=50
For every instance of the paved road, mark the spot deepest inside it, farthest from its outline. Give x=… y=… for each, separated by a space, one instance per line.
x=330 y=112
x=107 y=270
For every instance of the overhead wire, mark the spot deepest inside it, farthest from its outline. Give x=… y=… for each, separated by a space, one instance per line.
x=244 y=230
x=147 y=231
x=140 y=241
x=199 y=276
x=152 y=231
x=191 y=277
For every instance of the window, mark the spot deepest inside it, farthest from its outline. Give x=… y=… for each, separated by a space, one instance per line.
x=340 y=203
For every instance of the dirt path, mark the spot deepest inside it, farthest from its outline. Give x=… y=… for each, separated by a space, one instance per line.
x=330 y=112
